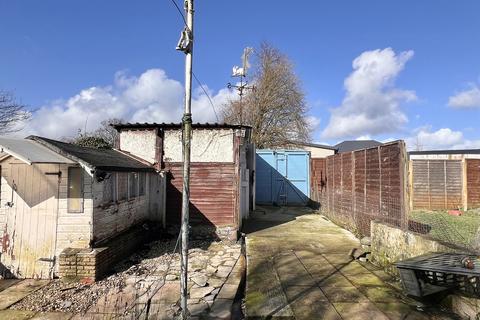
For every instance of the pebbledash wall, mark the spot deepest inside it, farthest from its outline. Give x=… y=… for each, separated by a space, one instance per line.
x=218 y=162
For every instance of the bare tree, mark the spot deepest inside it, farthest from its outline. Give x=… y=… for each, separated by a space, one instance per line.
x=107 y=132
x=276 y=108
x=12 y=113
x=105 y=137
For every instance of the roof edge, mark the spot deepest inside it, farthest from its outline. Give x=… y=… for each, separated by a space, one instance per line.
x=172 y=125
x=316 y=145
x=444 y=151
x=53 y=148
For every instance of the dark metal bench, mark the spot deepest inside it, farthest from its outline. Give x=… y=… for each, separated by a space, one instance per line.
x=435 y=272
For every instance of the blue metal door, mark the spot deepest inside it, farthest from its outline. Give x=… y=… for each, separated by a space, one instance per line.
x=282 y=177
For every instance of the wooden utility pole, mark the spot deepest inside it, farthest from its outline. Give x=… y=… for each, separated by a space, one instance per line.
x=186 y=45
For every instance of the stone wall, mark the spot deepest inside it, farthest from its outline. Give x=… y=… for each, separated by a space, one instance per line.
x=391 y=244
x=93 y=264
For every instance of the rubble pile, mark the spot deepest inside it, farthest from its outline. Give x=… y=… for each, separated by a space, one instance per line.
x=210 y=263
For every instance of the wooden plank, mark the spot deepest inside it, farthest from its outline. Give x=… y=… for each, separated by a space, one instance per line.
x=473 y=182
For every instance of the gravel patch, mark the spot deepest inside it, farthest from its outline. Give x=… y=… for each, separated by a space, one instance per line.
x=155 y=261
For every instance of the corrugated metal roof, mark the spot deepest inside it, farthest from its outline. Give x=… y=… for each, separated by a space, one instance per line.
x=102 y=159
x=178 y=126
x=30 y=151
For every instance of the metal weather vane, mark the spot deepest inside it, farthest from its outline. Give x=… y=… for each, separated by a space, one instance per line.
x=241 y=72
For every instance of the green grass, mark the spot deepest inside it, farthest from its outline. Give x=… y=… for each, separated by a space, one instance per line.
x=461 y=230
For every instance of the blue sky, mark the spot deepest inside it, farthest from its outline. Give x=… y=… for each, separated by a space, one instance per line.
x=417 y=68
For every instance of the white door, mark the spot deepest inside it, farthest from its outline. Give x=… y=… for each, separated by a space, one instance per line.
x=30 y=232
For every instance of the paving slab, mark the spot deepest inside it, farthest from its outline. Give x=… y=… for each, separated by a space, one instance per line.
x=18 y=291
x=16 y=314
x=396 y=310
x=299 y=293
x=299 y=267
x=6 y=283
x=344 y=294
x=52 y=316
x=359 y=311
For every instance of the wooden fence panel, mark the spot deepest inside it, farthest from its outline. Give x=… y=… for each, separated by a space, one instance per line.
x=367 y=184
x=437 y=184
x=473 y=183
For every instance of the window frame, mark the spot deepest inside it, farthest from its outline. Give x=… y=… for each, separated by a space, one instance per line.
x=117 y=182
x=133 y=183
x=142 y=184
x=112 y=180
x=82 y=191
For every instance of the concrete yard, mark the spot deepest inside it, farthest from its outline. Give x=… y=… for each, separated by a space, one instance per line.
x=298 y=267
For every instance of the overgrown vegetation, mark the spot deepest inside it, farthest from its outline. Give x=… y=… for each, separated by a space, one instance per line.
x=459 y=230
x=104 y=137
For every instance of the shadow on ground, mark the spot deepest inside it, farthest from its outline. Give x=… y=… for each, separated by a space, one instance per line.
x=299 y=267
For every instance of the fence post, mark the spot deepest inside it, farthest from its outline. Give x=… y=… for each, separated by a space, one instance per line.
x=380 y=180
x=354 y=194
x=405 y=177
x=464 y=184
x=410 y=194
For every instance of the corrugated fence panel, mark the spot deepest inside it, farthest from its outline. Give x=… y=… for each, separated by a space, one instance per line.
x=212 y=193
x=473 y=182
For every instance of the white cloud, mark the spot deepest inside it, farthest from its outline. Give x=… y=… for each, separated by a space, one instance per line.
x=313 y=122
x=444 y=138
x=364 y=137
x=150 y=97
x=372 y=104
x=469 y=98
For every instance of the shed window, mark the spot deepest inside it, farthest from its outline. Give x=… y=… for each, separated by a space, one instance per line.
x=75 y=190
x=141 y=183
x=110 y=189
x=122 y=186
x=133 y=185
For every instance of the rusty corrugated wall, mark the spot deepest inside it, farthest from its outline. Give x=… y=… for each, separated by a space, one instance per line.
x=213 y=193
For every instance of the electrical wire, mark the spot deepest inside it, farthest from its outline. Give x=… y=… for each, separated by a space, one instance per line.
x=180 y=12
x=208 y=96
